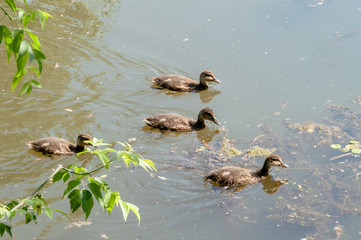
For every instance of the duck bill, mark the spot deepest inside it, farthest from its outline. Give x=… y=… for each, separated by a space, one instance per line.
x=216 y=121
x=284 y=165
x=216 y=80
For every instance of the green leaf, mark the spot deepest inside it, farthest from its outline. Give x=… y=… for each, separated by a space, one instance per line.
x=356 y=151
x=2 y=229
x=11 y=215
x=35 y=39
x=79 y=169
x=25 y=88
x=23 y=53
x=71 y=185
x=34 y=217
x=4 y=210
x=58 y=176
x=59 y=211
x=135 y=210
x=28 y=218
x=75 y=201
x=87 y=202
x=103 y=184
x=43 y=17
x=1 y=37
x=12 y=204
x=8 y=52
x=35 y=71
x=103 y=157
x=21 y=62
x=110 y=198
x=7 y=35
x=21 y=13
x=18 y=76
x=125 y=209
x=336 y=146
x=133 y=156
x=96 y=190
x=354 y=142
x=36 y=84
x=126 y=159
x=24 y=18
x=147 y=164
x=11 y=4
x=39 y=56
x=18 y=39
x=48 y=212
x=8 y=230
x=66 y=176
x=345 y=149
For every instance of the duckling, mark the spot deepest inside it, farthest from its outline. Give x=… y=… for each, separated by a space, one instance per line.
x=174 y=122
x=238 y=176
x=59 y=146
x=184 y=84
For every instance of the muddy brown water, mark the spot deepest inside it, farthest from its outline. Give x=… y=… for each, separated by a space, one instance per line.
x=276 y=60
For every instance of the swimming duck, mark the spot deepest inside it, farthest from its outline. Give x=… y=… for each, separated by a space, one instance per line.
x=59 y=146
x=175 y=122
x=238 y=176
x=184 y=84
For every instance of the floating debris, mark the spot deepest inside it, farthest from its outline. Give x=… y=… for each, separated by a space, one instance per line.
x=257 y=151
x=227 y=148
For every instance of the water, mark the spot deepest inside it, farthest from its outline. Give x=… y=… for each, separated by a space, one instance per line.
x=276 y=60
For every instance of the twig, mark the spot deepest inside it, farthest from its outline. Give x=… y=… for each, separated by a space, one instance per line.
x=255 y=139
x=38 y=189
x=340 y=156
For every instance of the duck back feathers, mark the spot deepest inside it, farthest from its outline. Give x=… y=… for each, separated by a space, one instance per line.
x=58 y=146
x=185 y=84
x=175 y=122
x=238 y=176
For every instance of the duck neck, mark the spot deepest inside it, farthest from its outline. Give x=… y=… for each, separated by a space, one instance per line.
x=263 y=172
x=77 y=148
x=200 y=123
x=202 y=85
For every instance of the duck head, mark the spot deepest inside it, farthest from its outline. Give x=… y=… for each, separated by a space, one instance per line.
x=274 y=160
x=208 y=76
x=207 y=114
x=82 y=138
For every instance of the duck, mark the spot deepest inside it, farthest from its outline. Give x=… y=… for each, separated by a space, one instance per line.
x=234 y=176
x=183 y=84
x=59 y=146
x=175 y=122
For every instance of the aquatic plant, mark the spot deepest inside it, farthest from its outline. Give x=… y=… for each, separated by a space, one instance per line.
x=16 y=43
x=353 y=146
x=81 y=188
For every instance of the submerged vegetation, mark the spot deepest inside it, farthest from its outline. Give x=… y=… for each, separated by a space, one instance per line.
x=329 y=190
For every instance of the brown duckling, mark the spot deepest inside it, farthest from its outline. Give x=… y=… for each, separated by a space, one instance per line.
x=238 y=176
x=59 y=146
x=184 y=84
x=175 y=122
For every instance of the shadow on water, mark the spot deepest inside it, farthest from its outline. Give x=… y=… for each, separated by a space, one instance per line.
x=270 y=185
x=204 y=135
x=205 y=96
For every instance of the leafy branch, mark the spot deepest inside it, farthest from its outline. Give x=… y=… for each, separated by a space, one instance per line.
x=82 y=187
x=17 y=43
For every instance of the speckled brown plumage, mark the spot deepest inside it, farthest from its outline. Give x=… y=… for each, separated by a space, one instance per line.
x=238 y=176
x=175 y=122
x=184 y=84
x=59 y=146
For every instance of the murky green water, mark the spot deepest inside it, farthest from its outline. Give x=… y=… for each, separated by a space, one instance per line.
x=277 y=60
